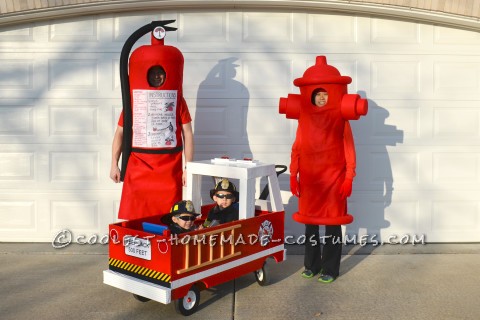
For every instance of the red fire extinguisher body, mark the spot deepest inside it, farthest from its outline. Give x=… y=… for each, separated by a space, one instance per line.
x=153 y=179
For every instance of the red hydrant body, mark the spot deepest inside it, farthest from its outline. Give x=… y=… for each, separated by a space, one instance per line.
x=323 y=154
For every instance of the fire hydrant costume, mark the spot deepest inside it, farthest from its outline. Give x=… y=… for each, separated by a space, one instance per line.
x=323 y=161
x=152 y=145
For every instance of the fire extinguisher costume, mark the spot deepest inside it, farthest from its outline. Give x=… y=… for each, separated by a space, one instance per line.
x=323 y=155
x=152 y=125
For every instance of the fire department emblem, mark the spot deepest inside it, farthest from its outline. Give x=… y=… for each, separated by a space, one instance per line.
x=265 y=233
x=189 y=206
x=225 y=184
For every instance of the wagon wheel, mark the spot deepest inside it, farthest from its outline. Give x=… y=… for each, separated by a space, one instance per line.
x=140 y=298
x=188 y=304
x=262 y=275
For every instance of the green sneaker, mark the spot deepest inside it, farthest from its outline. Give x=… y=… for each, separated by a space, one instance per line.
x=307 y=274
x=325 y=278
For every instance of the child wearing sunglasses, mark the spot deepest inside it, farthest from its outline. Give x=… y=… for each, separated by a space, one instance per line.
x=181 y=217
x=225 y=196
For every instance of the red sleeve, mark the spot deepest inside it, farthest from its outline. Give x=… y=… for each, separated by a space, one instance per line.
x=295 y=155
x=184 y=113
x=350 y=155
x=120 y=120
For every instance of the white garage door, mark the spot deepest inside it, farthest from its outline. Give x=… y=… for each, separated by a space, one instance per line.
x=418 y=150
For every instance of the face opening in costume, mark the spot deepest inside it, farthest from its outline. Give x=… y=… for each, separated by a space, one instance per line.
x=319 y=97
x=156 y=76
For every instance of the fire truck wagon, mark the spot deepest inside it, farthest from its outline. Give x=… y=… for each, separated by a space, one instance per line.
x=148 y=261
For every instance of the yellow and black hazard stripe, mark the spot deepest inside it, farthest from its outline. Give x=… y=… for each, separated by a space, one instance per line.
x=139 y=272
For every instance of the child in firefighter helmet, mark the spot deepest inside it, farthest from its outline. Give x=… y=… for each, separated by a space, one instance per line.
x=181 y=217
x=225 y=196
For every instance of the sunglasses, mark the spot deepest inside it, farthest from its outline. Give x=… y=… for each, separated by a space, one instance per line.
x=187 y=218
x=227 y=196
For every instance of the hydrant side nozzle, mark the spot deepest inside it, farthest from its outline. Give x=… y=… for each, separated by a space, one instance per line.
x=352 y=107
x=282 y=106
x=362 y=107
x=290 y=106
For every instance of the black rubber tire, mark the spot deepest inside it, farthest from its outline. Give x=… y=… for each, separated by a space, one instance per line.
x=262 y=275
x=140 y=298
x=188 y=304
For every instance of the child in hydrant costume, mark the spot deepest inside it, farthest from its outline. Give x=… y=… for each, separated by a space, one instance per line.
x=323 y=162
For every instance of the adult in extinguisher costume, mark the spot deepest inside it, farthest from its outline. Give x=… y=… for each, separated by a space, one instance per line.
x=154 y=130
x=323 y=162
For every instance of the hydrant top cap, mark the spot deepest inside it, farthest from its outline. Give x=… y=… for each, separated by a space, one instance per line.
x=320 y=73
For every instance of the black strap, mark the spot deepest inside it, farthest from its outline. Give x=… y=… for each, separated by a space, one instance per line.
x=158 y=151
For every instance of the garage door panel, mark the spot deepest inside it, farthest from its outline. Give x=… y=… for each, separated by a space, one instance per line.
x=40 y=216
x=123 y=25
x=73 y=166
x=67 y=75
x=418 y=122
x=214 y=76
x=457 y=79
x=16 y=75
x=16 y=119
x=82 y=29
x=445 y=215
x=55 y=167
x=393 y=121
x=456 y=168
x=385 y=31
x=17 y=166
x=81 y=215
x=207 y=27
x=462 y=39
x=267 y=27
x=218 y=121
x=379 y=169
x=459 y=123
x=434 y=215
x=406 y=78
x=62 y=121
x=264 y=125
x=11 y=35
x=73 y=75
x=454 y=215
x=73 y=120
x=18 y=214
x=320 y=29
